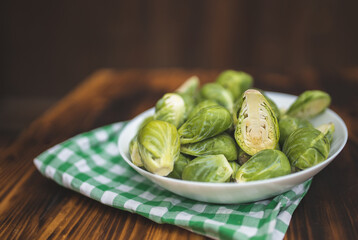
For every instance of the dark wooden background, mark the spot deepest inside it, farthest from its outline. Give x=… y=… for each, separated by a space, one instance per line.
x=48 y=47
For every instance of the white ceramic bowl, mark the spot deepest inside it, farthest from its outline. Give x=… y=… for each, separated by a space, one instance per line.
x=230 y=193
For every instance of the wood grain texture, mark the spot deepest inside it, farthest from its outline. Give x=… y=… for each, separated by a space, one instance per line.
x=33 y=207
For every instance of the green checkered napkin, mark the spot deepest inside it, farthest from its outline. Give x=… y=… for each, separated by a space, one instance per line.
x=90 y=163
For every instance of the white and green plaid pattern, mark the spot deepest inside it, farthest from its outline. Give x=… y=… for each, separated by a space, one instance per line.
x=90 y=163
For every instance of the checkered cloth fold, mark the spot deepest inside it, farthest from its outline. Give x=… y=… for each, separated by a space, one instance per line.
x=90 y=164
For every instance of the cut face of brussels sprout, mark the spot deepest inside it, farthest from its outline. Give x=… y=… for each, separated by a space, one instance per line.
x=209 y=168
x=159 y=147
x=170 y=108
x=257 y=127
x=179 y=166
x=236 y=82
x=134 y=152
x=265 y=164
x=309 y=104
x=201 y=105
x=289 y=124
x=190 y=86
x=306 y=147
x=218 y=93
x=328 y=131
x=220 y=144
x=207 y=123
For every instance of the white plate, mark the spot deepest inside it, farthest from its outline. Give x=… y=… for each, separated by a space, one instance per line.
x=230 y=193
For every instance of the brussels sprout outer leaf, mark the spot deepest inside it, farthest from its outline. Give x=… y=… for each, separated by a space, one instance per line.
x=257 y=126
x=309 y=104
x=179 y=166
x=268 y=163
x=306 y=147
x=159 y=147
x=207 y=123
x=289 y=124
x=209 y=168
x=218 y=93
x=220 y=144
x=170 y=108
x=190 y=86
x=134 y=152
x=236 y=82
x=201 y=105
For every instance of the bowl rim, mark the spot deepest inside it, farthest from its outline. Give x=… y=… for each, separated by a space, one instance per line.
x=299 y=174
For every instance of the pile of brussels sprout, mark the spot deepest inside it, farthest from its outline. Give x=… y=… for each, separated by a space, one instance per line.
x=226 y=131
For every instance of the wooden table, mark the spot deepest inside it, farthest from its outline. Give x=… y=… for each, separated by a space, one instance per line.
x=33 y=207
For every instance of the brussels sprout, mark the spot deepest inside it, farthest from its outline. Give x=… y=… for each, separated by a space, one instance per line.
x=190 y=86
x=207 y=123
x=309 y=104
x=235 y=167
x=134 y=152
x=306 y=147
x=179 y=166
x=257 y=127
x=159 y=147
x=209 y=168
x=145 y=121
x=189 y=102
x=289 y=124
x=220 y=144
x=170 y=108
x=236 y=111
x=218 y=93
x=236 y=82
x=268 y=163
x=328 y=131
x=201 y=105
x=243 y=157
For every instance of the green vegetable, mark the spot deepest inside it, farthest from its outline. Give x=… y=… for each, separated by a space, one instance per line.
x=159 y=147
x=207 y=123
x=134 y=152
x=309 y=104
x=236 y=82
x=190 y=86
x=179 y=166
x=328 y=131
x=289 y=124
x=220 y=144
x=257 y=127
x=209 y=168
x=243 y=157
x=235 y=167
x=201 y=105
x=219 y=94
x=306 y=147
x=170 y=108
x=268 y=163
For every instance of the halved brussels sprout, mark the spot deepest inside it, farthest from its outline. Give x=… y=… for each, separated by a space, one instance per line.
x=289 y=124
x=134 y=152
x=268 y=163
x=209 y=168
x=328 y=131
x=306 y=147
x=257 y=127
x=179 y=166
x=159 y=147
x=243 y=157
x=207 y=123
x=190 y=86
x=220 y=144
x=218 y=93
x=201 y=105
x=170 y=108
x=309 y=104
x=236 y=82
